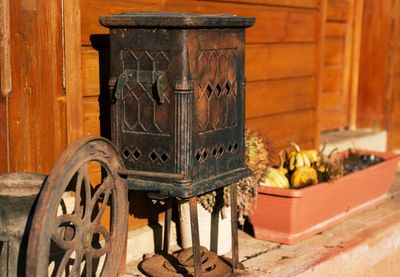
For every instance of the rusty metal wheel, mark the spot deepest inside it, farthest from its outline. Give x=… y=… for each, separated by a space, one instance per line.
x=80 y=223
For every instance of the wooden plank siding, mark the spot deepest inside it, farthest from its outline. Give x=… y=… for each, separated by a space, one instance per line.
x=282 y=65
x=335 y=95
x=3 y=135
x=374 y=65
x=289 y=24
x=393 y=113
x=33 y=123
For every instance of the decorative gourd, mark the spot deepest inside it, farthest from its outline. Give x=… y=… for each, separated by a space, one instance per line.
x=273 y=177
x=281 y=165
x=304 y=176
x=313 y=155
x=298 y=158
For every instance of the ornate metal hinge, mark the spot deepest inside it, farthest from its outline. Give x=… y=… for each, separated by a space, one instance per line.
x=158 y=78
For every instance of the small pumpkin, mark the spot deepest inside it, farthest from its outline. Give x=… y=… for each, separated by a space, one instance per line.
x=304 y=176
x=298 y=158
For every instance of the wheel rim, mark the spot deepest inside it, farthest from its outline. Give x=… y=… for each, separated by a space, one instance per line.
x=79 y=226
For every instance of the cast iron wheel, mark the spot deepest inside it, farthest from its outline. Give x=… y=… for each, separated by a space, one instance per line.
x=79 y=227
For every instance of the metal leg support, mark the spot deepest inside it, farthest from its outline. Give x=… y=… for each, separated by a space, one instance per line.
x=194 y=224
x=234 y=220
x=167 y=226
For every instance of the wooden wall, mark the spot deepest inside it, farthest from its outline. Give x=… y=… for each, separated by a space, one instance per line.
x=32 y=105
x=282 y=64
x=373 y=83
x=379 y=82
x=393 y=114
x=340 y=63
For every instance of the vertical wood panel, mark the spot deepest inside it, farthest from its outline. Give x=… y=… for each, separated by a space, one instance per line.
x=374 y=59
x=37 y=102
x=3 y=135
x=73 y=68
x=393 y=115
x=320 y=67
x=5 y=49
x=355 y=61
x=339 y=10
x=334 y=51
x=340 y=63
x=5 y=81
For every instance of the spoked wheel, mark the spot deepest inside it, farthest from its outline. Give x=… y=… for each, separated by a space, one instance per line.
x=80 y=223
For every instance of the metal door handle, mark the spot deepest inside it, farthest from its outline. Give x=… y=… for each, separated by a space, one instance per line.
x=158 y=78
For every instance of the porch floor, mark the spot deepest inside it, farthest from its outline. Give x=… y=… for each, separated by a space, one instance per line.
x=365 y=245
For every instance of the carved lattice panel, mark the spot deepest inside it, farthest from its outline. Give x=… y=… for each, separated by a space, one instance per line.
x=142 y=116
x=216 y=92
x=141 y=111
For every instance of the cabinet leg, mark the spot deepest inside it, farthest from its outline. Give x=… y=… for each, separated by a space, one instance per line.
x=167 y=226
x=234 y=220
x=194 y=224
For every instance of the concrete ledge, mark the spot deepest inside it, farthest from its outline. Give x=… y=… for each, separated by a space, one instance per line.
x=148 y=239
x=366 y=139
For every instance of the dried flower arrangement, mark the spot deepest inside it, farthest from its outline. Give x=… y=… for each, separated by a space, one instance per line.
x=257 y=154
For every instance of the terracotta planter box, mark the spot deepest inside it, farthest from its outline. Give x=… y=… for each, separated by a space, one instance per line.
x=289 y=216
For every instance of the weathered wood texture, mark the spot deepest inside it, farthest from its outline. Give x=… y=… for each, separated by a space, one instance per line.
x=3 y=135
x=73 y=68
x=5 y=81
x=34 y=121
x=340 y=48
x=379 y=83
x=393 y=114
x=5 y=48
x=282 y=66
x=373 y=83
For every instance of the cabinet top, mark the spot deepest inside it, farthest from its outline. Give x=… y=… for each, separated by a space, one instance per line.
x=175 y=20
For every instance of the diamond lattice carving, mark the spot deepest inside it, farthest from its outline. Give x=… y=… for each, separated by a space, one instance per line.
x=135 y=154
x=216 y=89
x=158 y=156
x=141 y=112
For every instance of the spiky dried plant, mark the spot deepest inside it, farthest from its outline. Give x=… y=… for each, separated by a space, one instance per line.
x=257 y=157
